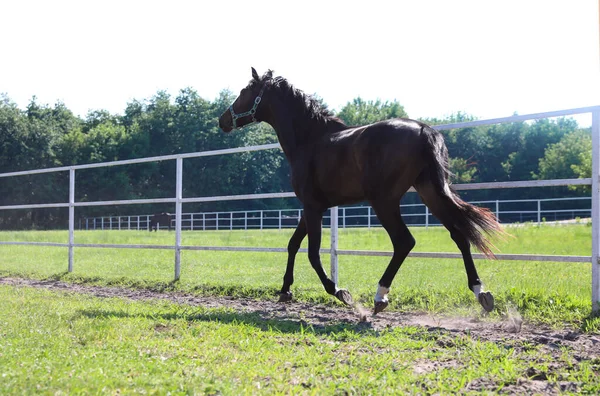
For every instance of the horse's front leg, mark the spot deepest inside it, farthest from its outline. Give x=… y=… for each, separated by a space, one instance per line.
x=293 y=246
x=313 y=220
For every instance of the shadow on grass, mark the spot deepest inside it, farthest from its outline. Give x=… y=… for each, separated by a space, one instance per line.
x=259 y=320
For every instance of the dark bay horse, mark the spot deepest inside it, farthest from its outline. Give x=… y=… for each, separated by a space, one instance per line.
x=334 y=164
x=160 y=218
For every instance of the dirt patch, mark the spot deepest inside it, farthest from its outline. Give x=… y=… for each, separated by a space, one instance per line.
x=511 y=329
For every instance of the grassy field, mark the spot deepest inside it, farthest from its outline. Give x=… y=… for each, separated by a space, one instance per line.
x=57 y=342
x=69 y=343
x=552 y=293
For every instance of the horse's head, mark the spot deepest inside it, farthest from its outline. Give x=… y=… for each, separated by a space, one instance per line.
x=246 y=109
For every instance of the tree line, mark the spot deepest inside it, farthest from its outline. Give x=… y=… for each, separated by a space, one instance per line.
x=43 y=136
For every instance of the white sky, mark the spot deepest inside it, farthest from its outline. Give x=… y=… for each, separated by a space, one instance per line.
x=485 y=57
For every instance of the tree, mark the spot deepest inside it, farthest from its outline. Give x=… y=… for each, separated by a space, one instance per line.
x=361 y=112
x=568 y=158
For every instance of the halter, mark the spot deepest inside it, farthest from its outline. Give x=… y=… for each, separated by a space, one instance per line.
x=251 y=112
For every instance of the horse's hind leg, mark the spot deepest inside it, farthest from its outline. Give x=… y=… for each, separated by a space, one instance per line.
x=444 y=209
x=388 y=213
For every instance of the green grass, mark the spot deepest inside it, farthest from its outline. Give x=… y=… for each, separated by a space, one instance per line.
x=60 y=343
x=552 y=293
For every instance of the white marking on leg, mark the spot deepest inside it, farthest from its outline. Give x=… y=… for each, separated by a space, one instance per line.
x=381 y=295
x=476 y=290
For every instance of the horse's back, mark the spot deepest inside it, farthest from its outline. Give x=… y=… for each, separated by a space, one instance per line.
x=360 y=163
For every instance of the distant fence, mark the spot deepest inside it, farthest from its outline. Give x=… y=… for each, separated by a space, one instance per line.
x=507 y=211
x=333 y=251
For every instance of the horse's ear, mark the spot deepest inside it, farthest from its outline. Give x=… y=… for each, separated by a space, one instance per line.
x=255 y=75
x=269 y=74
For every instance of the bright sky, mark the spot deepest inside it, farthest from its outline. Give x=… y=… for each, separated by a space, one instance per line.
x=486 y=58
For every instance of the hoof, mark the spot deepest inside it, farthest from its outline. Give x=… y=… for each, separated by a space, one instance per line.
x=380 y=306
x=285 y=297
x=344 y=296
x=486 y=300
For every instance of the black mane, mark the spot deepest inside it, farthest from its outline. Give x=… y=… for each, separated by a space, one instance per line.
x=313 y=113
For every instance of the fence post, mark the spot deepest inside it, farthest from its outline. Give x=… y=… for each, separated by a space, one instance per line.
x=261 y=219
x=369 y=217
x=344 y=218
x=230 y=221
x=334 y=244
x=498 y=210
x=595 y=209
x=245 y=220
x=426 y=217
x=71 y=217
x=539 y=212
x=178 y=198
x=280 y=219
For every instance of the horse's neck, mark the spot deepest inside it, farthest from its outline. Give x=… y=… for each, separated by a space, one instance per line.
x=296 y=134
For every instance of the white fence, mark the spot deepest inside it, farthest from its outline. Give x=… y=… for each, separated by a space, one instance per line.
x=529 y=210
x=334 y=252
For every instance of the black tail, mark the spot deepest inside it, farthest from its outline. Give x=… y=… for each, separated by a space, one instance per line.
x=473 y=222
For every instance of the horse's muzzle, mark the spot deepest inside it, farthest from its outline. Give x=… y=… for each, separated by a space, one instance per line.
x=225 y=125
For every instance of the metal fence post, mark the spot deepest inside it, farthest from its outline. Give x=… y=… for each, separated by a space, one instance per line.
x=426 y=217
x=539 y=212
x=595 y=209
x=334 y=244
x=178 y=198
x=280 y=219
x=498 y=210
x=71 y=217
x=261 y=219
x=369 y=217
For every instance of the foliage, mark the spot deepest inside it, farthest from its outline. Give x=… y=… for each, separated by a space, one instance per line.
x=43 y=136
x=571 y=157
x=361 y=112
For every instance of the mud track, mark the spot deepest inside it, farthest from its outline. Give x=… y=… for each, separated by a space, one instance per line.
x=320 y=315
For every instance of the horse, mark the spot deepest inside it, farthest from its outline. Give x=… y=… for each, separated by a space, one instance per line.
x=335 y=164
x=160 y=218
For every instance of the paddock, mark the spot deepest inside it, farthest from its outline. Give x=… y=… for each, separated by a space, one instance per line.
x=334 y=250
